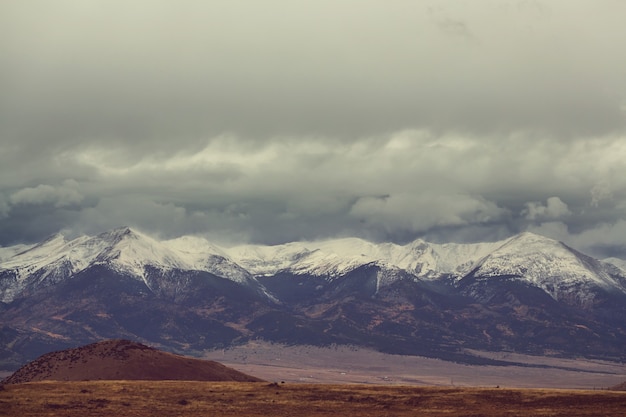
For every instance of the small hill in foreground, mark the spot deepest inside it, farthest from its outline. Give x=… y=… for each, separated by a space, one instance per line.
x=122 y=360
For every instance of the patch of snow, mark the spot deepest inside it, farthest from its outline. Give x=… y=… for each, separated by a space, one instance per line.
x=262 y=260
x=8 y=252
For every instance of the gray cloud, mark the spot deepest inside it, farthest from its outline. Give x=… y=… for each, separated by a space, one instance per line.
x=601 y=191
x=279 y=121
x=418 y=213
x=553 y=209
x=4 y=208
x=63 y=196
x=105 y=71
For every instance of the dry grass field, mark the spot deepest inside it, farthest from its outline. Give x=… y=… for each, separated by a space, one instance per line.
x=176 y=398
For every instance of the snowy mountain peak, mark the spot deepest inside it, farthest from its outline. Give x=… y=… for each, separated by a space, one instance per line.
x=56 y=237
x=50 y=243
x=117 y=235
x=262 y=260
x=419 y=245
x=336 y=257
x=194 y=245
x=532 y=258
x=130 y=252
x=33 y=257
x=529 y=238
x=123 y=250
x=547 y=264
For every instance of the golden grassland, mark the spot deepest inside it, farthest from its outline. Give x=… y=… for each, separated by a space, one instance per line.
x=186 y=398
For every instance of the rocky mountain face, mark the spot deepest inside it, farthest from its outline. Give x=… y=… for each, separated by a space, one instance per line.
x=525 y=294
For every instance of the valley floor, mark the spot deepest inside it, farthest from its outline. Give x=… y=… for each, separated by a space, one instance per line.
x=344 y=364
x=169 y=398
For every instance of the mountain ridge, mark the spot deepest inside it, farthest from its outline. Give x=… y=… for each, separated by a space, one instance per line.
x=529 y=256
x=526 y=294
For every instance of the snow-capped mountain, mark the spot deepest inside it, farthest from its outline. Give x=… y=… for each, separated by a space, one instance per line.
x=549 y=265
x=525 y=294
x=123 y=250
x=536 y=260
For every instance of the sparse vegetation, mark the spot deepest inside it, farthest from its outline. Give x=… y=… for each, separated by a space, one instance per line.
x=193 y=398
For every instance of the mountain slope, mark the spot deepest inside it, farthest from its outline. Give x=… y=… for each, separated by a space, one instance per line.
x=334 y=258
x=123 y=251
x=544 y=263
x=551 y=266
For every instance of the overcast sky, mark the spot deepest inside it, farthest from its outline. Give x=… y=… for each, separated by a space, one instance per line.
x=274 y=121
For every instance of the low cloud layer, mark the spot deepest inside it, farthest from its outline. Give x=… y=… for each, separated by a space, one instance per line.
x=276 y=122
x=64 y=195
x=553 y=209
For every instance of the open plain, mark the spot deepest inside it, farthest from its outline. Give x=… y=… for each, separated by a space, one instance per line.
x=192 y=398
x=349 y=365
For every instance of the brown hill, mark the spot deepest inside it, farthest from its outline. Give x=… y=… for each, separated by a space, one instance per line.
x=122 y=360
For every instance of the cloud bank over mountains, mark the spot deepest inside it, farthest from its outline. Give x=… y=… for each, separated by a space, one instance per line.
x=281 y=121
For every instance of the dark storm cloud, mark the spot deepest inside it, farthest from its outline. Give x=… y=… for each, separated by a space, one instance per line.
x=110 y=71
x=278 y=120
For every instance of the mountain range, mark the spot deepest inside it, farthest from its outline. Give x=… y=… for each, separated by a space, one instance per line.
x=527 y=294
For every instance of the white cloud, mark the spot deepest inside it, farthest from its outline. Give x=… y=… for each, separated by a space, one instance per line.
x=64 y=195
x=280 y=126
x=553 y=209
x=552 y=229
x=419 y=213
x=603 y=236
x=602 y=240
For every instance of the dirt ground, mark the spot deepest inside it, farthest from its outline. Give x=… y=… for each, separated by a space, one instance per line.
x=176 y=398
x=344 y=364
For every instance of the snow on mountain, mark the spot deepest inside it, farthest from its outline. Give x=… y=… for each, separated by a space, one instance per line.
x=53 y=254
x=537 y=260
x=124 y=250
x=42 y=264
x=8 y=252
x=547 y=264
x=334 y=258
x=201 y=255
x=431 y=261
x=330 y=258
x=262 y=260
x=620 y=263
x=129 y=251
